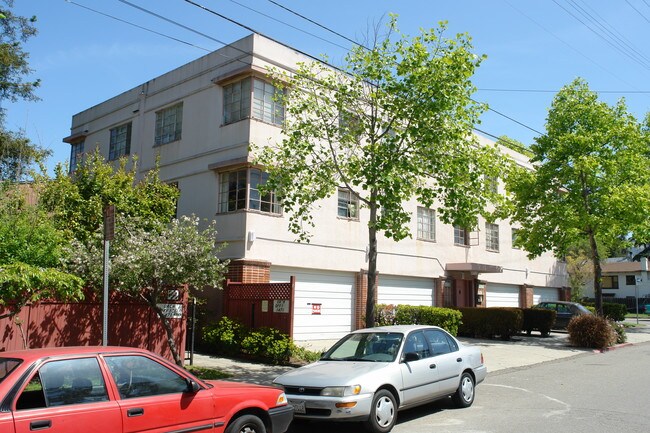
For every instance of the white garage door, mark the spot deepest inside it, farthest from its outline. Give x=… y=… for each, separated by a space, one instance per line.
x=542 y=294
x=405 y=290
x=332 y=290
x=502 y=295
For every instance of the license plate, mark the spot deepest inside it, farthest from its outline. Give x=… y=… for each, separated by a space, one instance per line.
x=299 y=407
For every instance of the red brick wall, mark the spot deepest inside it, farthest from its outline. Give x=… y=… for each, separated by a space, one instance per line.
x=526 y=296
x=249 y=271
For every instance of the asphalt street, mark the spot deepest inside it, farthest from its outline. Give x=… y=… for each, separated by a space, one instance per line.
x=590 y=392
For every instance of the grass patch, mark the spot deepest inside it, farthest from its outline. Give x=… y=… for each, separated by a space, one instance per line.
x=207 y=373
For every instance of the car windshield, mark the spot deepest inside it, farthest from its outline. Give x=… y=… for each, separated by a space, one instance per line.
x=7 y=365
x=366 y=346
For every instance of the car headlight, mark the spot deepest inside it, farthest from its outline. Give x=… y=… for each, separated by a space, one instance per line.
x=282 y=399
x=340 y=391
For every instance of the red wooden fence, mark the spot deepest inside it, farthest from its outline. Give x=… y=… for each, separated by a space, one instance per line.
x=52 y=324
x=261 y=304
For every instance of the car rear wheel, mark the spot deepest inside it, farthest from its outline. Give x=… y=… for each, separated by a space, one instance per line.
x=464 y=396
x=383 y=412
x=246 y=424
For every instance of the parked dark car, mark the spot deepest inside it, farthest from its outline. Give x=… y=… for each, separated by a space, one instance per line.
x=565 y=311
x=119 y=389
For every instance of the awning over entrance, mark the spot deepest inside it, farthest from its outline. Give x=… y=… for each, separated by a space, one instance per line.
x=473 y=268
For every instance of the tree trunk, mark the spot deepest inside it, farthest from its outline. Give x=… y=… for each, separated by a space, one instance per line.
x=598 y=274
x=372 y=264
x=168 y=331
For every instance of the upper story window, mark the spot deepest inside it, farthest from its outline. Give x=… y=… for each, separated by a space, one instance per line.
x=492 y=237
x=492 y=184
x=239 y=190
x=610 y=282
x=237 y=99
x=120 y=143
x=515 y=235
x=169 y=123
x=426 y=224
x=461 y=236
x=76 y=153
x=348 y=204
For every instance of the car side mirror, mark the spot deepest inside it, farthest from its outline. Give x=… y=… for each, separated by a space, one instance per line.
x=411 y=356
x=192 y=386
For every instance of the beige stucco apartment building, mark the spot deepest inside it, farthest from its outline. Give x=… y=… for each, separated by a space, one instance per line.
x=199 y=121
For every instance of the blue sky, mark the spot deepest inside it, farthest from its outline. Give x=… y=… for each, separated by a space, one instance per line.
x=533 y=48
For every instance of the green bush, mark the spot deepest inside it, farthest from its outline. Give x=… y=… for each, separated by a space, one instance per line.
x=224 y=337
x=591 y=331
x=445 y=318
x=615 y=312
x=538 y=319
x=267 y=344
x=491 y=322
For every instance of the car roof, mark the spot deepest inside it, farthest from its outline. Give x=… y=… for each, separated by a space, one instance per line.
x=559 y=302
x=405 y=329
x=33 y=354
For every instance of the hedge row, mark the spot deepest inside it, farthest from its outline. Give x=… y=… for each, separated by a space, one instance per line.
x=445 y=318
x=472 y=322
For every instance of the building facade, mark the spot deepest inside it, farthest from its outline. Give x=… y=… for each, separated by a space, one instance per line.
x=198 y=122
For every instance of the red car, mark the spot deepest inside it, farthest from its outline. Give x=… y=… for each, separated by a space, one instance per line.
x=120 y=389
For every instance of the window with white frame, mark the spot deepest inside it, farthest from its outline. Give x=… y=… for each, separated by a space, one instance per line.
x=492 y=237
x=239 y=190
x=348 y=205
x=120 y=142
x=76 y=153
x=169 y=124
x=461 y=236
x=492 y=184
x=426 y=224
x=252 y=97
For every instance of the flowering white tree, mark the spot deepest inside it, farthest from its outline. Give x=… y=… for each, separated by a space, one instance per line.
x=146 y=263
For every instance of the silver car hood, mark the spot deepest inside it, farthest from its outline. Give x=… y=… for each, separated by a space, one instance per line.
x=331 y=373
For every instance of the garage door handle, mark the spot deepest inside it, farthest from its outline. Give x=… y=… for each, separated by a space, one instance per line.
x=459 y=359
x=138 y=411
x=432 y=366
x=40 y=425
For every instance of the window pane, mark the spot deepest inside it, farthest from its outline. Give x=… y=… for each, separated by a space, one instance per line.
x=169 y=124
x=59 y=383
x=426 y=224
x=139 y=376
x=265 y=107
x=492 y=237
x=120 y=141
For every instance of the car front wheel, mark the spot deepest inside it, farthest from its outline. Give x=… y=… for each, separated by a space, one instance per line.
x=246 y=424
x=383 y=412
x=464 y=396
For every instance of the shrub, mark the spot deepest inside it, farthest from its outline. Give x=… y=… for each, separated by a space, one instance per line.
x=267 y=344
x=302 y=355
x=445 y=318
x=591 y=331
x=491 y=322
x=539 y=319
x=615 y=312
x=621 y=336
x=224 y=337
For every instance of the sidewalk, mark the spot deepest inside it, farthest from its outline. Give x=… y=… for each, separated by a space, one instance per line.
x=521 y=351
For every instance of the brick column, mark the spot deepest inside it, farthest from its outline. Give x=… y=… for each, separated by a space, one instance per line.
x=361 y=296
x=565 y=293
x=439 y=292
x=526 y=296
x=249 y=271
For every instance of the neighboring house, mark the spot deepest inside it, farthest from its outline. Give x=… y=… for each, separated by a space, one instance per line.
x=198 y=121
x=623 y=278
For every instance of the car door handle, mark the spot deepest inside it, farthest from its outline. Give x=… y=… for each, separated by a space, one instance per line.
x=432 y=366
x=136 y=411
x=40 y=425
x=459 y=359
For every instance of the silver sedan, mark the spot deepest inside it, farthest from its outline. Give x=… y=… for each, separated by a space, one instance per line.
x=372 y=373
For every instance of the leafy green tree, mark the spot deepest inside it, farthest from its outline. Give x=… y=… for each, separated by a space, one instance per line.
x=591 y=181
x=30 y=253
x=394 y=124
x=146 y=263
x=77 y=201
x=17 y=154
